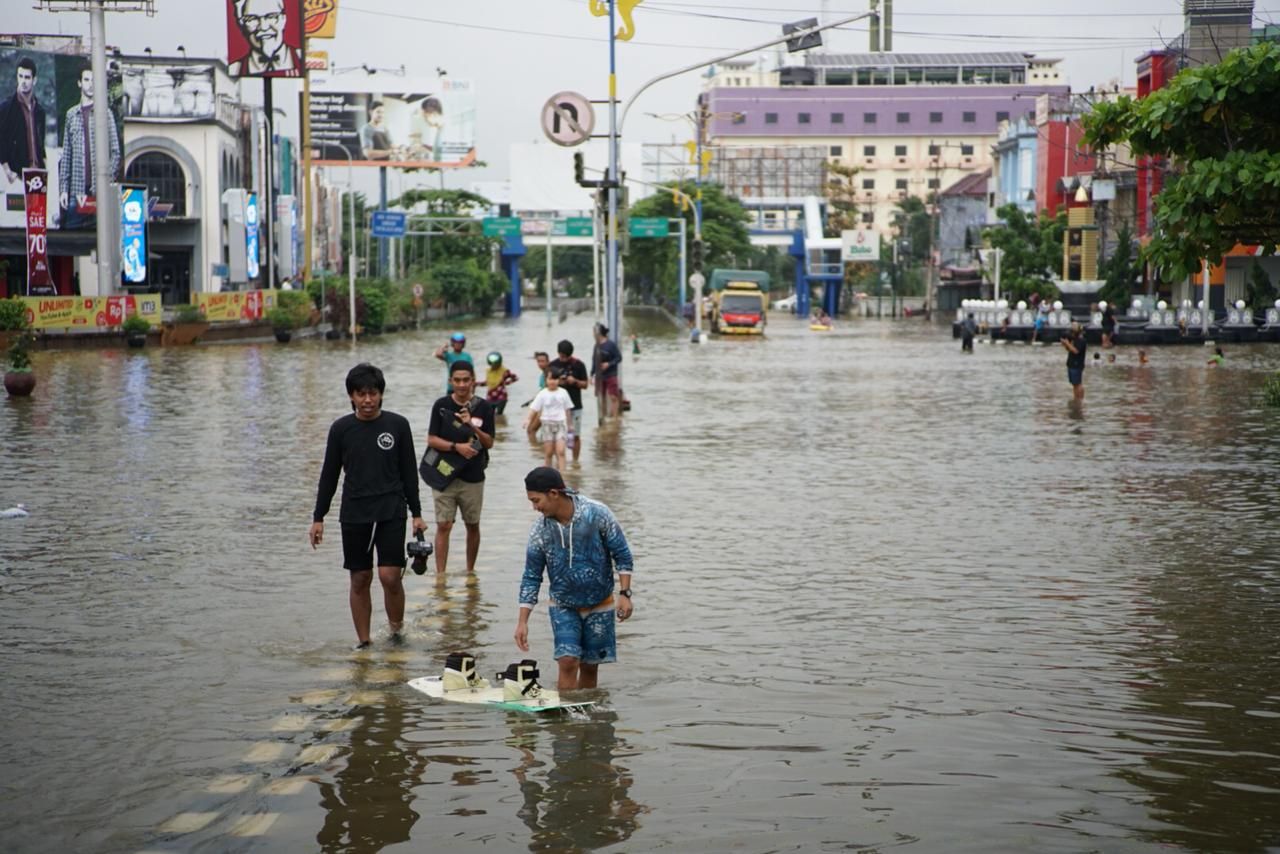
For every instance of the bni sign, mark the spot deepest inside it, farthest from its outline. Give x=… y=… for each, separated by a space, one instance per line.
x=859 y=244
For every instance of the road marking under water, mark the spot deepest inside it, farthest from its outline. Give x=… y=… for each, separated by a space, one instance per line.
x=265 y=751
x=286 y=786
x=292 y=723
x=230 y=784
x=188 y=822
x=254 y=825
x=317 y=753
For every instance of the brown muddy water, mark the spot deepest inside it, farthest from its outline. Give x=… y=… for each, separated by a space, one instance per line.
x=888 y=598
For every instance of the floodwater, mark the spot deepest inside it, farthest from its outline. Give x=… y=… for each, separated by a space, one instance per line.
x=887 y=598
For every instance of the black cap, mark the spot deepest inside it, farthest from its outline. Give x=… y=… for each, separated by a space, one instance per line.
x=543 y=479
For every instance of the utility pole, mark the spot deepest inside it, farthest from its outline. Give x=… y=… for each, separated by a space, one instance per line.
x=103 y=180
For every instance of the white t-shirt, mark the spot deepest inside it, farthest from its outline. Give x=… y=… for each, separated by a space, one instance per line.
x=553 y=405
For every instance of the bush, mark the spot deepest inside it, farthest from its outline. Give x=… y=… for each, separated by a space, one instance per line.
x=136 y=324
x=1272 y=389
x=187 y=313
x=291 y=311
x=19 y=354
x=13 y=314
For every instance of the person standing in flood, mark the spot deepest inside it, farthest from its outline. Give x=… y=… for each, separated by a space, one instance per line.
x=967 y=330
x=578 y=545
x=375 y=450
x=1075 y=346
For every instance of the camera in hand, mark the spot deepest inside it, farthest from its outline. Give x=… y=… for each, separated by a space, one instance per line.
x=419 y=549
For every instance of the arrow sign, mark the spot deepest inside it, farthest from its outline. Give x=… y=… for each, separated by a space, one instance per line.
x=568 y=118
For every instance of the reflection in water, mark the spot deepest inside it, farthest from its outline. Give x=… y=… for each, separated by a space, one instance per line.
x=581 y=801
x=369 y=802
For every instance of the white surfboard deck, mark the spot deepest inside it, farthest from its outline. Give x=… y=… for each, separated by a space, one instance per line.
x=546 y=701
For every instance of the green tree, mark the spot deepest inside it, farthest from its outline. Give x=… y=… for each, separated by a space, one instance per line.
x=1031 y=251
x=1219 y=128
x=654 y=263
x=842 y=199
x=914 y=227
x=1121 y=270
x=571 y=262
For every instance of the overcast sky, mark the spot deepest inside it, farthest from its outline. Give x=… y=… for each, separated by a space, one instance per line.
x=519 y=52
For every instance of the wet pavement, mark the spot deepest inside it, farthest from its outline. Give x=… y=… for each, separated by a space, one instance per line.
x=888 y=597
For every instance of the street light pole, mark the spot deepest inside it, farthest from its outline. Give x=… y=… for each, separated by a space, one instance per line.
x=351 y=255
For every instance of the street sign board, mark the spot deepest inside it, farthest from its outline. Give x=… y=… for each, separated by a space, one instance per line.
x=649 y=226
x=417 y=290
x=568 y=118
x=859 y=244
x=697 y=281
x=501 y=226
x=388 y=223
x=578 y=226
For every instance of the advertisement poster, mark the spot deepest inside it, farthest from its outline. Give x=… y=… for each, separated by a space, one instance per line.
x=264 y=38
x=90 y=312
x=251 y=235
x=39 y=282
x=320 y=18
x=133 y=234
x=405 y=123
x=46 y=122
x=235 y=305
x=168 y=93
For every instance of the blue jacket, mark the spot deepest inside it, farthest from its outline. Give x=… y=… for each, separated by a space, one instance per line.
x=578 y=558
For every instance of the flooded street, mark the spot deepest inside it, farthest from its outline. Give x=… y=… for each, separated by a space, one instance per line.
x=886 y=598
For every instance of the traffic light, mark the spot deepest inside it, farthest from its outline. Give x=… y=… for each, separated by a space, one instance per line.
x=697 y=255
x=579 y=169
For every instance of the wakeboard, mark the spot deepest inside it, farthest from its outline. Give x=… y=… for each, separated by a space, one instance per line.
x=494 y=697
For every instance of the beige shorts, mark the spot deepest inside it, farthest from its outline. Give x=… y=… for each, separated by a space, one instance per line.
x=553 y=431
x=469 y=497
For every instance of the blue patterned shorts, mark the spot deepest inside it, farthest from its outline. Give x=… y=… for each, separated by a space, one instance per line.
x=585 y=634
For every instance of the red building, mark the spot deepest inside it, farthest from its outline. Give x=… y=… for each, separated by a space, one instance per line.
x=1061 y=154
x=1155 y=69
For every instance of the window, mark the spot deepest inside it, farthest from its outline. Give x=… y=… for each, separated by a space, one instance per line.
x=868 y=183
x=803 y=118
x=904 y=118
x=739 y=118
x=837 y=151
x=868 y=151
x=900 y=184
x=837 y=118
x=899 y=151
x=1002 y=116
x=933 y=183
x=869 y=118
x=935 y=150
x=771 y=118
x=164 y=178
x=935 y=118
x=966 y=150
x=970 y=118
x=868 y=217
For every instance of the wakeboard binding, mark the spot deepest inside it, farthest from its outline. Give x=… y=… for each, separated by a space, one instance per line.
x=460 y=673
x=520 y=681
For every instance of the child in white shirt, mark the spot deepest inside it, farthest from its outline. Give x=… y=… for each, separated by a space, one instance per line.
x=550 y=414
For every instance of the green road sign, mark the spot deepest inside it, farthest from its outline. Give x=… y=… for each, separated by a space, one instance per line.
x=501 y=226
x=578 y=226
x=649 y=226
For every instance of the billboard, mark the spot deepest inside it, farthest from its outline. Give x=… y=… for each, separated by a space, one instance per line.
x=46 y=122
x=168 y=93
x=542 y=174
x=133 y=234
x=405 y=123
x=90 y=312
x=264 y=38
x=321 y=18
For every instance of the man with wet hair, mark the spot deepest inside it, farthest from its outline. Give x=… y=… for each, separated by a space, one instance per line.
x=461 y=424
x=578 y=544
x=375 y=450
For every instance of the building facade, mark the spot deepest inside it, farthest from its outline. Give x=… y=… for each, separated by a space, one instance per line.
x=1014 y=165
x=911 y=124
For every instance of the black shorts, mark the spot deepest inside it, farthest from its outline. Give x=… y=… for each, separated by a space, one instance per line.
x=359 y=541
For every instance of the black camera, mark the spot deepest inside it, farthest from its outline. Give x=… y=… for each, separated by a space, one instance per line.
x=419 y=549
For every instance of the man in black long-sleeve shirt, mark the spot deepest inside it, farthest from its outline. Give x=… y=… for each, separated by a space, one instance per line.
x=375 y=448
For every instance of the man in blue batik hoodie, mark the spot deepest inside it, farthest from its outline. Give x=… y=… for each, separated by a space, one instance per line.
x=578 y=544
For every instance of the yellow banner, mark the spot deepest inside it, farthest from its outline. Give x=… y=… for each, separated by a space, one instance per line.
x=235 y=305
x=90 y=312
x=320 y=18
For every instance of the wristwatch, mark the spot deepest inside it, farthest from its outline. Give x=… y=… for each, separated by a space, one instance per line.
x=626 y=592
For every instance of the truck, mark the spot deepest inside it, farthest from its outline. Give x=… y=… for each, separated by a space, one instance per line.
x=739 y=299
